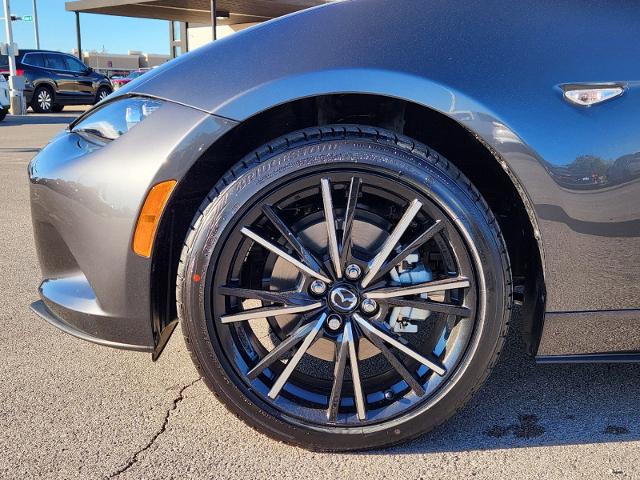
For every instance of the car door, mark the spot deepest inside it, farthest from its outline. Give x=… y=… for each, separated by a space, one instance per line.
x=64 y=79
x=83 y=78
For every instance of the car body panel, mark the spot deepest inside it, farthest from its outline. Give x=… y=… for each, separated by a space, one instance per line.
x=494 y=67
x=85 y=202
x=591 y=334
x=506 y=92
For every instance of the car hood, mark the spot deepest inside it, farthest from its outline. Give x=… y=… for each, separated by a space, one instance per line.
x=367 y=47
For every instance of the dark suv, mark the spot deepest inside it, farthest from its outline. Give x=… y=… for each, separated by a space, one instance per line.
x=55 y=79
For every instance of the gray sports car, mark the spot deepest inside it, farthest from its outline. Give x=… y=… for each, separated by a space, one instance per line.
x=341 y=207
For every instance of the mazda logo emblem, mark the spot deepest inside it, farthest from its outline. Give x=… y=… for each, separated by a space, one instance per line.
x=343 y=299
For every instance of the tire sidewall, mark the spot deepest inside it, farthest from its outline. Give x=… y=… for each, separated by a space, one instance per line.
x=451 y=191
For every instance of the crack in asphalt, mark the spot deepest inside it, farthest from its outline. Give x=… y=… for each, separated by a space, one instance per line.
x=134 y=458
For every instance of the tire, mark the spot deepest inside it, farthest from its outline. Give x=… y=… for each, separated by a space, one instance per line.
x=300 y=177
x=102 y=93
x=57 y=108
x=43 y=100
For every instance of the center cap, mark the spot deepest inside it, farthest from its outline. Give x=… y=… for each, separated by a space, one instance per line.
x=343 y=299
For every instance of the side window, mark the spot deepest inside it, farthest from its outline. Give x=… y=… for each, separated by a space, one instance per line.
x=74 y=65
x=34 y=59
x=55 y=61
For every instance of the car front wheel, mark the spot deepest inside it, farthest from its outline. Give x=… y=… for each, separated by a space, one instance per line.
x=344 y=288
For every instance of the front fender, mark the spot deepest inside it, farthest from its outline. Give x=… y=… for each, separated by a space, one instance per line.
x=494 y=67
x=49 y=83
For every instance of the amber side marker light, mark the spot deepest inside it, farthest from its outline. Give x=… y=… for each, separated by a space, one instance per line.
x=150 y=217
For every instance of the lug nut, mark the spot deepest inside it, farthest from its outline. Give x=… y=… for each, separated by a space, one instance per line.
x=388 y=394
x=318 y=287
x=353 y=272
x=369 y=305
x=334 y=322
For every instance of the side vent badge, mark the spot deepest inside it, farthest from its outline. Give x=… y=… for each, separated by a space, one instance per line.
x=588 y=95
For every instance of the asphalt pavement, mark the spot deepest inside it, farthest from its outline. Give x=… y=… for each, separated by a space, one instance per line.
x=70 y=409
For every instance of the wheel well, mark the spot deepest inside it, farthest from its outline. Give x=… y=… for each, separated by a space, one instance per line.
x=434 y=129
x=47 y=86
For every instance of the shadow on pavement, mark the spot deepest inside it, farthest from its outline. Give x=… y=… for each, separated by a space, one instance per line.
x=526 y=405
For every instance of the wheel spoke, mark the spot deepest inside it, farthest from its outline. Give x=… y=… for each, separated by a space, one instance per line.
x=331 y=226
x=342 y=351
x=355 y=373
x=350 y=213
x=409 y=249
x=293 y=363
x=376 y=263
x=284 y=255
x=394 y=341
x=427 y=287
x=289 y=297
x=264 y=312
x=395 y=362
x=279 y=351
x=291 y=238
x=448 y=308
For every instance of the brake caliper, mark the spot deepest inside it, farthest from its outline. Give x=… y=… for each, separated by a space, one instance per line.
x=410 y=272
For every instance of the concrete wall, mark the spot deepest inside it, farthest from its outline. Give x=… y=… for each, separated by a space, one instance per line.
x=119 y=63
x=150 y=60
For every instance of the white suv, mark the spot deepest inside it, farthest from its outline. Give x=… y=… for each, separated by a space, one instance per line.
x=4 y=98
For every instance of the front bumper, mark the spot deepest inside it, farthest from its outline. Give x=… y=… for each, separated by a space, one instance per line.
x=85 y=201
x=44 y=312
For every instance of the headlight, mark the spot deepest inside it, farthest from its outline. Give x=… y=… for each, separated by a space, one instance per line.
x=116 y=118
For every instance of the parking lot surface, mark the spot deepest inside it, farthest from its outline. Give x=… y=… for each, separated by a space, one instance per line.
x=70 y=409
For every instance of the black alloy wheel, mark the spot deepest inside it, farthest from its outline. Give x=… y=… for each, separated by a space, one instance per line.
x=344 y=288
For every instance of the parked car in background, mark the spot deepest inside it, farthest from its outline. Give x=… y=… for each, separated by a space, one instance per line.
x=54 y=80
x=122 y=81
x=4 y=97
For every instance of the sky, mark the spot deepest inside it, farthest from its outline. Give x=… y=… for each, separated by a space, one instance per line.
x=113 y=34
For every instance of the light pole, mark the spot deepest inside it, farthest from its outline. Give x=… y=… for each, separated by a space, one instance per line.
x=16 y=84
x=78 y=36
x=214 y=23
x=9 y=32
x=35 y=24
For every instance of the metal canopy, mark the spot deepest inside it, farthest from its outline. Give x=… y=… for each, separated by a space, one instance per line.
x=194 y=11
